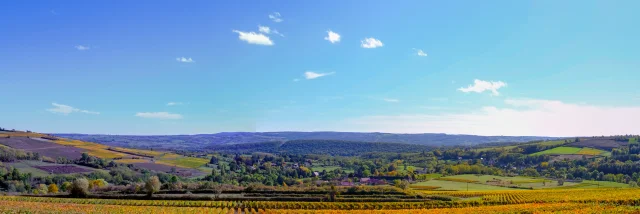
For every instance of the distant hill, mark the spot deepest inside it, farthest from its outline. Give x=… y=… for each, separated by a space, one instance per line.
x=328 y=147
x=201 y=141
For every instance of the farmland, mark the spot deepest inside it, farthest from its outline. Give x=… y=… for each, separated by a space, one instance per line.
x=595 y=200
x=565 y=150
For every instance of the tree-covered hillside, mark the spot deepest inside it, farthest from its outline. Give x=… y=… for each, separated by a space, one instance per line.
x=327 y=147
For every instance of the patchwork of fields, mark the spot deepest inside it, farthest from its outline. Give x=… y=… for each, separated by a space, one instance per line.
x=73 y=149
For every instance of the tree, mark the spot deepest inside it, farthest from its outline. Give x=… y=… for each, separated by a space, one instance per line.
x=53 y=188
x=66 y=186
x=214 y=160
x=42 y=189
x=80 y=187
x=152 y=185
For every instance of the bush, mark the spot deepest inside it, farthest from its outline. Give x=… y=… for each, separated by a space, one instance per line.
x=80 y=187
x=53 y=188
x=152 y=185
x=66 y=186
x=42 y=188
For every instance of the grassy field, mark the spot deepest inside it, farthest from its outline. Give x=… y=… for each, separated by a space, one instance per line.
x=485 y=178
x=26 y=168
x=566 y=150
x=545 y=143
x=128 y=161
x=187 y=162
x=459 y=186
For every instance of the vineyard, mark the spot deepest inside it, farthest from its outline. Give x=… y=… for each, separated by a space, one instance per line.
x=567 y=201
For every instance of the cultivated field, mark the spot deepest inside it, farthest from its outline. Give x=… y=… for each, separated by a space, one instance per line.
x=43 y=147
x=535 y=201
x=566 y=150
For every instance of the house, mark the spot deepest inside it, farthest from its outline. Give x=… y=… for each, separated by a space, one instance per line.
x=316 y=174
x=346 y=183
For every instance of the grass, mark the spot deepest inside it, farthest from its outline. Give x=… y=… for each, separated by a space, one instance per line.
x=328 y=168
x=451 y=185
x=590 y=151
x=128 y=161
x=485 y=178
x=187 y=162
x=26 y=168
x=566 y=150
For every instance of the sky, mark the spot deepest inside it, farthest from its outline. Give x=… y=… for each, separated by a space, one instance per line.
x=544 y=68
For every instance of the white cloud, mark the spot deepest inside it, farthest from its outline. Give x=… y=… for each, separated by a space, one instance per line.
x=268 y=30
x=521 y=117
x=82 y=47
x=65 y=109
x=254 y=38
x=264 y=29
x=390 y=100
x=276 y=17
x=159 y=115
x=371 y=43
x=419 y=52
x=332 y=37
x=185 y=60
x=312 y=75
x=480 y=86
x=175 y=104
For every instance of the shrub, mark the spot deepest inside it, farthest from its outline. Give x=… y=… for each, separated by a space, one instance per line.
x=53 y=188
x=66 y=186
x=80 y=187
x=152 y=185
x=42 y=188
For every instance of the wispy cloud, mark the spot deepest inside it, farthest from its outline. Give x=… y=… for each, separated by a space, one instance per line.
x=254 y=38
x=390 y=100
x=371 y=43
x=159 y=115
x=296 y=80
x=480 y=86
x=332 y=37
x=268 y=30
x=541 y=118
x=312 y=75
x=82 y=47
x=419 y=52
x=276 y=17
x=65 y=109
x=175 y=104
x=185 y=60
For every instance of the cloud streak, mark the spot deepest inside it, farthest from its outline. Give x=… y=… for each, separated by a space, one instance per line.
x=313 y=75
x=66 y=109
x=185 y=60
x=82 y=47
x=276 y=17
x=480 y=86
x=159 y=115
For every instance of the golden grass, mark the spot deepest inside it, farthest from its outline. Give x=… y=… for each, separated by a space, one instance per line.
x=187 y=162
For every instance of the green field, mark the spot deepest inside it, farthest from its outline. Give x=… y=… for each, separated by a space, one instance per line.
x=485 y=178
x=545 y=143
x=566 y=150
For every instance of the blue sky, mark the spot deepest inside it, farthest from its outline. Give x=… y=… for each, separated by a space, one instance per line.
x=556 y=68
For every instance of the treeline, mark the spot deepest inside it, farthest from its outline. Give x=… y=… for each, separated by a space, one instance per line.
x=8 y=154
x=328 y=147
